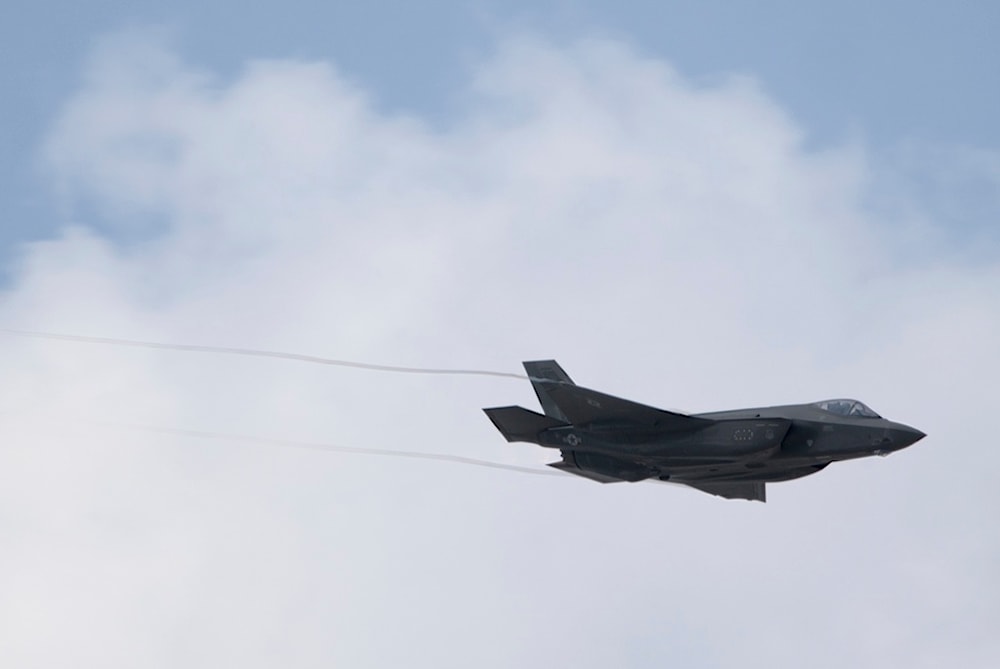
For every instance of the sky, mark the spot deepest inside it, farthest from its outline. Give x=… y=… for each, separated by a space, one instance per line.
x=698 y=207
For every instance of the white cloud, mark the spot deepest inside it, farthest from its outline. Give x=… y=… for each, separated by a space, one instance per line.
x=670 y=243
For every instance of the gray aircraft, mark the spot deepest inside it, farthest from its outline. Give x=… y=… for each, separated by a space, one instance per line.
x=732 y=454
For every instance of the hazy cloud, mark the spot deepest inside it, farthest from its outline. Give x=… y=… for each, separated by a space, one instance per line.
x=672 y=243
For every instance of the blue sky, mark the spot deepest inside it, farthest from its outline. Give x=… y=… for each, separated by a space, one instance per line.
x=696 y=206
x=886 y=72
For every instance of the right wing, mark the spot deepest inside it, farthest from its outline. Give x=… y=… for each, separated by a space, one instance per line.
x=752 y=490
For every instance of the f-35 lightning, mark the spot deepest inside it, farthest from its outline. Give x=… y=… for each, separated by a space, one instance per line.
x=732 y=454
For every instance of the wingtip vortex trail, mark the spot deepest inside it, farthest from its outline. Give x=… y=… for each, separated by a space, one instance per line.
x=229 y=350
x=257 y=353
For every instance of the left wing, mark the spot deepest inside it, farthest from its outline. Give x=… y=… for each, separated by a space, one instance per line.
x=569 y=403
x=583 y=406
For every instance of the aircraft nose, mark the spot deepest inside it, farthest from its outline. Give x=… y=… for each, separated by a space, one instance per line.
x=904 y=435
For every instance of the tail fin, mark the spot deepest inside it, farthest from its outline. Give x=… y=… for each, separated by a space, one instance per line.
x=544 y=373
x=519 y=424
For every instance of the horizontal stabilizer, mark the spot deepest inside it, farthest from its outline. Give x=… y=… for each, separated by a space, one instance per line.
x=582 y=406
x=752 y=490
x=600 y=468
x=571 y=468
x=520 y=424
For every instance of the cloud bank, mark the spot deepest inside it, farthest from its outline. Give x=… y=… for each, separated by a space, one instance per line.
x=669 y=242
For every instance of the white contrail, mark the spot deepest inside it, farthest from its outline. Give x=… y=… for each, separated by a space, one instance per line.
x=229 y=350
x=444 y=457
x=337 y=448
x=289 y=443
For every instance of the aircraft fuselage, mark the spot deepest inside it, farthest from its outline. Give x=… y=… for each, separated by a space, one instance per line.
x=729 y=453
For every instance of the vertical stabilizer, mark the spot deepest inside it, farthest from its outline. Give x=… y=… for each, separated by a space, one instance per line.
x=544 y=373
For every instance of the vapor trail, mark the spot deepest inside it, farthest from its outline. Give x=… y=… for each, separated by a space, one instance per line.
x=335 y=448
x=304 y=445
x=229 y=350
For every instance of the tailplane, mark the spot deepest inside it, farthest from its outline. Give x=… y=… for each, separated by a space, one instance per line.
x=520 y=424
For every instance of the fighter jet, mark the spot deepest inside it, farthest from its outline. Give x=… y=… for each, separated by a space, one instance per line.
x=732 y=454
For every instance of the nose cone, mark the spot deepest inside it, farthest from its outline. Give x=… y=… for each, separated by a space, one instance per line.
x=902 y=436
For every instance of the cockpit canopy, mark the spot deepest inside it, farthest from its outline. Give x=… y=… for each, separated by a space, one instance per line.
x=845 y=407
